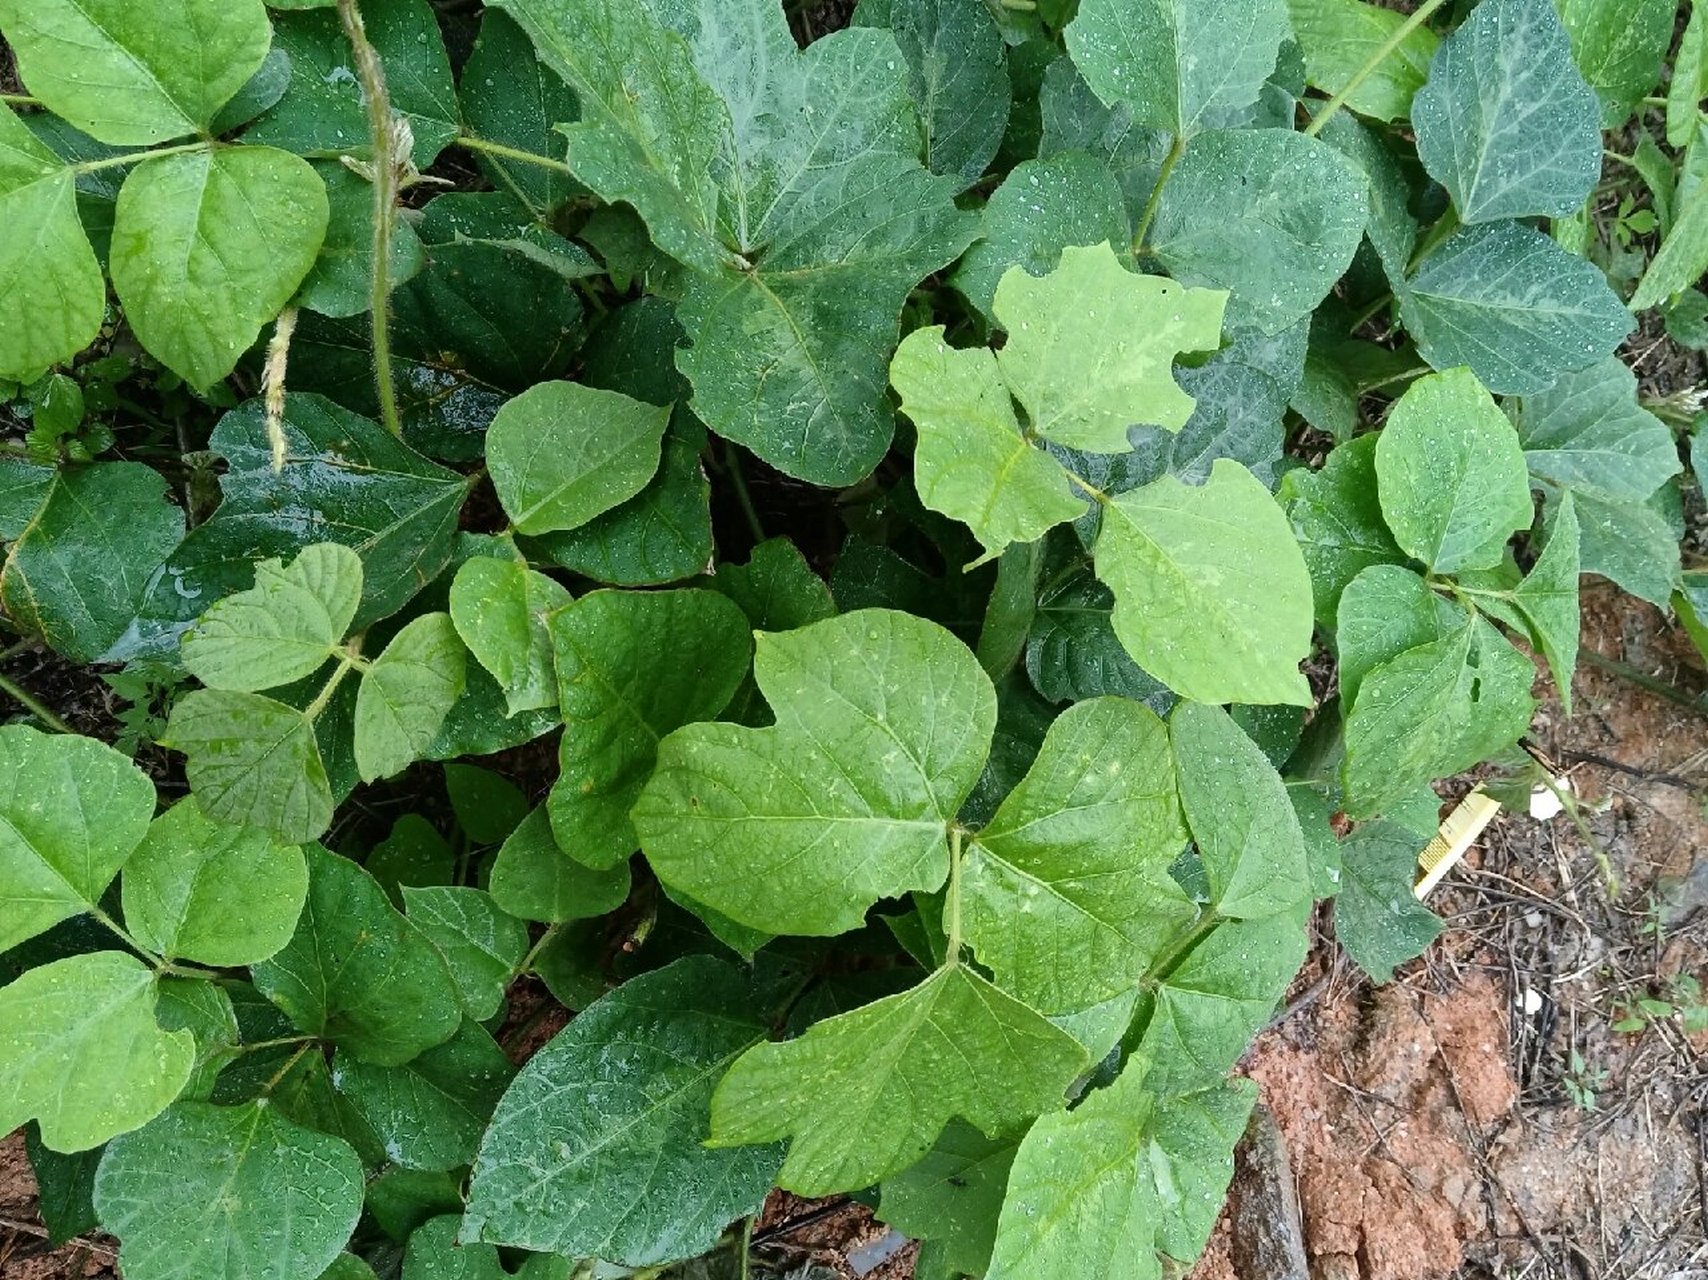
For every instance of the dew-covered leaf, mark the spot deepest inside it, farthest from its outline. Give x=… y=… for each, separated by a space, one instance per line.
x=253 y=761
x=1377 y=917
x=534 y=879
x=406 y=695
x=1337 y=519
x=499 y=608
x=1339 y=37
x=481 y=943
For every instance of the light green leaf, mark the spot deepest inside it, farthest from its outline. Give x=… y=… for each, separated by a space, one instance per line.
x=1066 y=893
x=907 y=1064
x=534 y=879
x=499 y=607
x=1689 y=83
x=1091 y=347
x=283 y=628
x=52 y=300
x=1211 y=593
x=130 y=76
x=1241 y=820
x=429 y=1112
x=1619 y=45
x=252 y=761
x=1384 y=611
x=228 y=1193
x=1589 y=434
x=1268 y=214
x=952 y=1196
x=597 y=1146
x=1377 y=917
x=971 y=462
x=213 y=893
x=1182 y=65
x=71 y=811
x=1513 y=305
x=1340 y=37
x=1682 y=259
x=561 y=453
x=1506 y=122
x=1337 y=519
x=883 y=724
x=631 y=667
x=82 y=1052
x=208 y=246
x=1451 y=475
x=482 y=945
x=1548 y=597
x=358 y=973
x=406 y=695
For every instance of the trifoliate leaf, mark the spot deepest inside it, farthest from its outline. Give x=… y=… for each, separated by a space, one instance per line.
x=883 y=724
x=1340 y=40
x=1548 y=597
x=216 y=894
x=499 y=607
x=210 y=245
x=1337 y=519
x=1268 y=214
x=1091 y=347
x=631 y=667
x=129 y=76
x=358 y=973
x=406 y=695
x=482 y=945
x=1589 y=434
x=952 y=1196
x=972 y=462
x=1451 y=474
x=252 y=761
x=1384 y=611
x=1066 y=893
x=429 y=1112
x=84 y=1056
x=597 y=1147
x=953 y=1046
x=1182 y=65
x=283 y=628
x=72 y=810
x=534 y=879
x=1377 y=917
x=1242 y=822
x=1619 y=49
x=1211 y=594
x=562 y=453
x=1506 y=122
x=511 y=97
x=228 y=1193
x=54 y=300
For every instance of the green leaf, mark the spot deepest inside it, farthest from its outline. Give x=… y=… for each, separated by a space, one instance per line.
x=435 y=1253
x=65 y=1184
x=562 y=453
x=129 y=76
x=1211 y=593
x=777 y=589
x=1636 y=544
x=49 y=269
x=1619 y=48
x=1242 y=822
x=1683 y=256
x=83 y=1054
x=413 y=854
x=1339 y=38
x=339 y=283
x=72 y=810
x=1377 y=917
x=1384 y=611
x=511 y=97
x=1548 y=597
x=204 y=1010
x=631 y=667
x=430 y=1111
x=81 y=567
x=324 y=112
x=208 y=246
x=534 y=879
x=597 y=1146
x=1506 y=122
x=1181 y=65
x=252 y=761
x=499 y=608
x=952 y=1196
x=1270 y=215
x=358 y=973
x=215 y=894
x=1451 y=474
x=227 y=1193
x=1091 y=347
x=406 y=695
x=883 y=722
x=1589 y=434
x=1689 y=83
x=488 y=806
x=482 y=946
x=1072 y=652
x=907 y=1064
x=1066 y=893
x=1337 y=519
x=1513 y=305
x=283 y=628
x=972 y=461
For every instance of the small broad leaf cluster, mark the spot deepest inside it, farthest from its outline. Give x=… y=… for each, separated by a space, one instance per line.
x=1181 y=427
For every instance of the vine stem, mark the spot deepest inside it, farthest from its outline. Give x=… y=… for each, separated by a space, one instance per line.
x=1376 y=59
x=35 y=708
x=273 y=382
x=527 y=965
x=1643 y=680
x=1175 y=151
x=137 y=157
x=19 y=100
x=345 y=663
x=743 y=495
x=385 y=180
x=745 y=1244
x=469 y=142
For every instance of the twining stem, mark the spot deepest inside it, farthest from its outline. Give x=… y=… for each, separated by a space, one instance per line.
x=498 y=150
x=136 y=157
x=1175 y=151
x=385 y=179
x=13 y=690
x=273 y=382
x=952 y=901
x=1643 y=680
x=1334 y=104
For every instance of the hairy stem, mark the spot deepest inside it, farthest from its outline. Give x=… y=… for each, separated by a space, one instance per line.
x=469 y=142
x=1175 y=151
x=26 y=700
x=1375 y=60
x=273 y=384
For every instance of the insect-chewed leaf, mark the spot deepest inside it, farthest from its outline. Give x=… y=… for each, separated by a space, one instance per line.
x=883 y=724
x=500 y=609
x=1384 y=611
x=1377 y=918
x=534 y=879
x=82 y=1053
x=252 y=761
x=406 y=695
x=1337 y=519
x=596 y=1149
x=953 y=1046
x=225 y=1193
x=482 y=944
x=1340 y=40
x=283 y=628
x=1588 y=433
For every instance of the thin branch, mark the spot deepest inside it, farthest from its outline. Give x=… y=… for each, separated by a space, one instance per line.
x=498 y=150
x=1175 y=151
x=1375 y=60
x=137 y=157
x=29 y=703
